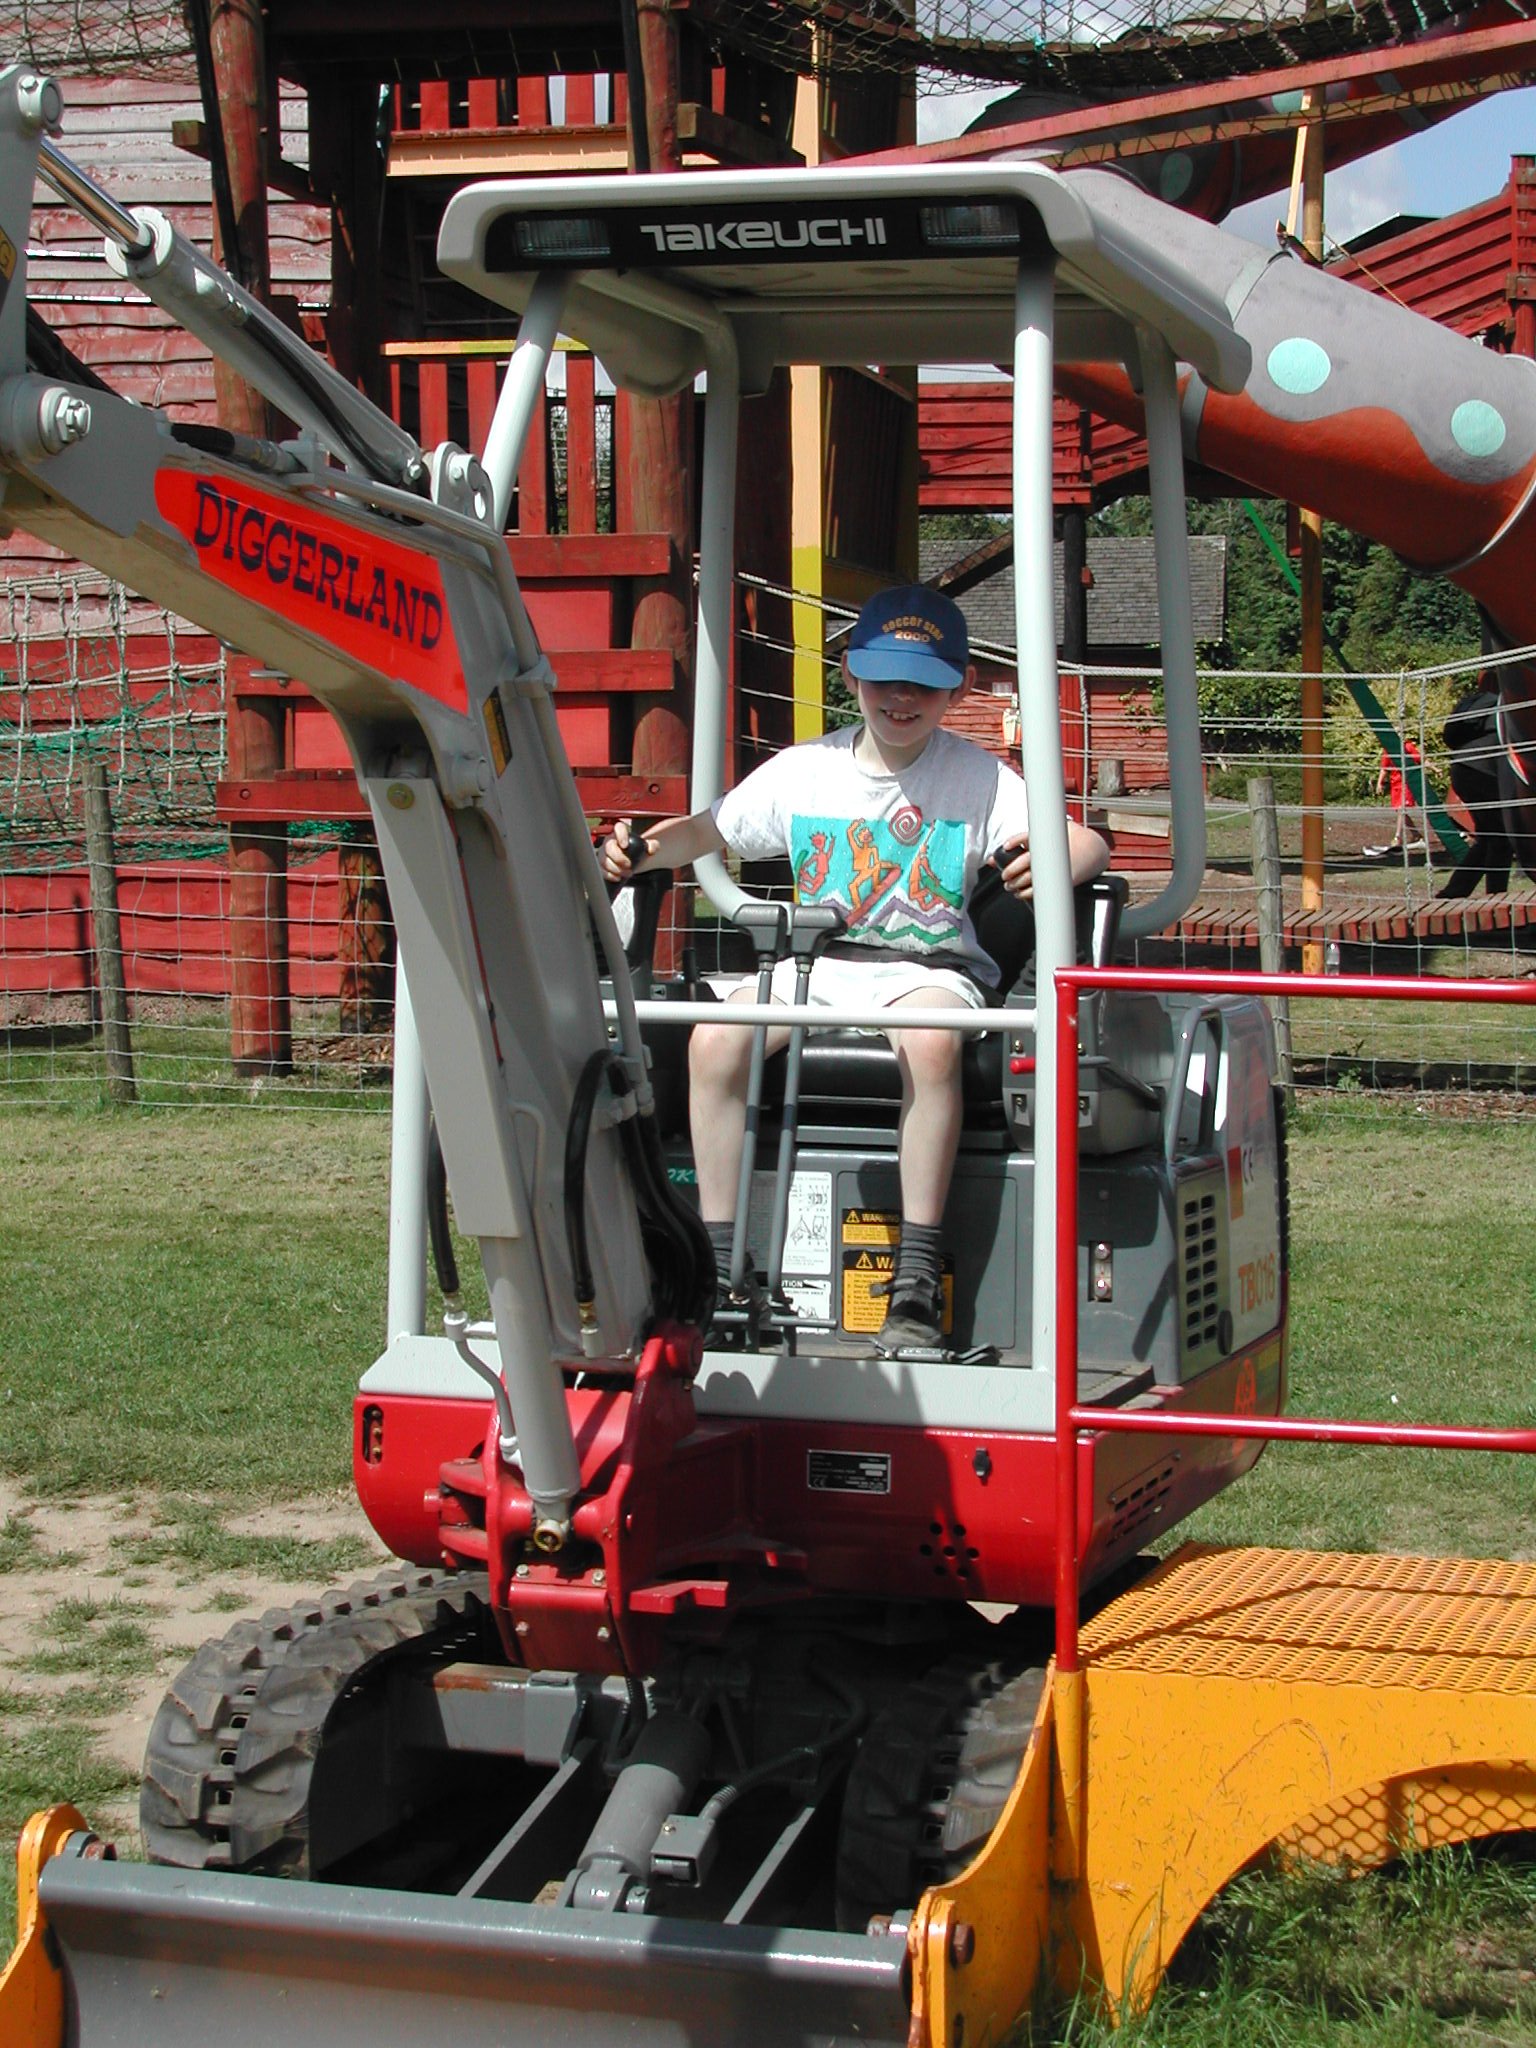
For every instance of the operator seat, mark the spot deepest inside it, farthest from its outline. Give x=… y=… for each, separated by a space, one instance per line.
x=840 y=1068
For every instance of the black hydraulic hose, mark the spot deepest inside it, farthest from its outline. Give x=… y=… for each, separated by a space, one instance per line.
x=578 y=1131
x=677 y=1246
x=444 y=1262
x=244 y=448
x=382 y=465
x=803 y=1753
x=692 y=1253
x=51 y=357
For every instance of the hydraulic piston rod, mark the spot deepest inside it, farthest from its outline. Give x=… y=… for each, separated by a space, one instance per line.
x=89 y=199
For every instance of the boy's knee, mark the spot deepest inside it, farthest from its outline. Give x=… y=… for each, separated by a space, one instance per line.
x=718 y=1054
x=932 y=1057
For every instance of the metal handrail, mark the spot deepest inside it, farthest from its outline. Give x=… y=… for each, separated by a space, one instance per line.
x=1071 y=1418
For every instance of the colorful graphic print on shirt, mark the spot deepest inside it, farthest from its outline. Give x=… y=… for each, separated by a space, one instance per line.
x=908 y=891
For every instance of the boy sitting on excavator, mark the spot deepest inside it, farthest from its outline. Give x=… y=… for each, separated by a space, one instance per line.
x=891 y=821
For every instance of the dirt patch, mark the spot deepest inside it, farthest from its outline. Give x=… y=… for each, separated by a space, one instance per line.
x=95 y=1624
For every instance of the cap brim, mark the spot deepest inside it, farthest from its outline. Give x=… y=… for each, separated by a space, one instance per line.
x=927 y=671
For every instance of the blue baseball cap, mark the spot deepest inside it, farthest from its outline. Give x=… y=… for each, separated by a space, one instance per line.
x=910 y=635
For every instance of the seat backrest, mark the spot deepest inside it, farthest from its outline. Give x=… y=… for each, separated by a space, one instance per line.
x=1005 y=925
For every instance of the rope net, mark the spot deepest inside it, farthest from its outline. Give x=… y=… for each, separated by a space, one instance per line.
x=71 y=692
x=83 y=38
x=1082 y=46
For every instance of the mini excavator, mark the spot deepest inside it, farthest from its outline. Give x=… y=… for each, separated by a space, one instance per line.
x=713 y=1646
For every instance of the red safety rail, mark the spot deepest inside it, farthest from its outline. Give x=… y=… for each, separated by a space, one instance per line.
x=1073 y=1419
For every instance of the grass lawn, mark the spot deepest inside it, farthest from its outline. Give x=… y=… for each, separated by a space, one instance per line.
x=186 y=1300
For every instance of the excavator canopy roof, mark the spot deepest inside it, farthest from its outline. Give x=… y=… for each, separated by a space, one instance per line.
x=891 y=264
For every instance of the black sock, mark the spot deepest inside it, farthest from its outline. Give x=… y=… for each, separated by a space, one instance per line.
x=919 y=1258
x=720 y=1236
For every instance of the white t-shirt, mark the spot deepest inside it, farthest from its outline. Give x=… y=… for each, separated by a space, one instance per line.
x=899 y=853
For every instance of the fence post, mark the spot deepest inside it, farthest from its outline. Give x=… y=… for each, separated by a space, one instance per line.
x=101 y=865
x=365 y=941
x=1266 y=878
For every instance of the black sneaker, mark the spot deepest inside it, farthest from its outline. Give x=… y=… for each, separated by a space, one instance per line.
x=914 y=1321
x=738 y=1314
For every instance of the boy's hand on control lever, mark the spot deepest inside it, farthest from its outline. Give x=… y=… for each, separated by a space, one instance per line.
x=623 y=850
x=1013 y=862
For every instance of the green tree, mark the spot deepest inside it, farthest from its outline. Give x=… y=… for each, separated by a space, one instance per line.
x=1376 y=611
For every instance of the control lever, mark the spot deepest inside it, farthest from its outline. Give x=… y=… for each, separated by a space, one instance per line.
x=811 y=930
x=767 y=925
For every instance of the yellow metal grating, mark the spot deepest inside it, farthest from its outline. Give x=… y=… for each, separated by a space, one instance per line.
x=1443 y=1624
x=1420 y=1811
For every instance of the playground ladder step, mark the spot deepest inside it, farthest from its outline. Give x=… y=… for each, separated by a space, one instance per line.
x=1364 y=921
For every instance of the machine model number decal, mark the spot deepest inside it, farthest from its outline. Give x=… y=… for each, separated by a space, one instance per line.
x=1255 y=1283
x=679 y=237
x=848 y=1471
x=379 y=603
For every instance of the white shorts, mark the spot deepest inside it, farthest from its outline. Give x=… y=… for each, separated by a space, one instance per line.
x=857 y=984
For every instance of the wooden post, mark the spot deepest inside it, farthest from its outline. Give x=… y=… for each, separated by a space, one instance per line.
x=1312 y=847
x=348 y=173
x=260 y=1017
x=660 y=490
x=348 y=170
x=1074 y=653
x=764 y=719
x=111 y=981
x=365 y=942
x=1271 y=910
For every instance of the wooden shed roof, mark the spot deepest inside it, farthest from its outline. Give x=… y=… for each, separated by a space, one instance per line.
x=1122 y=603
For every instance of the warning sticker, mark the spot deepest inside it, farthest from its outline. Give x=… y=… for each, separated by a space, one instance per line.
x=871 y=1226
x=848 y=1471
x=863 y=1308
x=811 y=1299
x=807 y=1224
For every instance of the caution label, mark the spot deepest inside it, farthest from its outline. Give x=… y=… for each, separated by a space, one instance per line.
x=864 y=1309
x=872 y=1227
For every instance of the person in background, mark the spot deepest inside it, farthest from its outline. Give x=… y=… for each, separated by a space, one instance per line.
x=1472 y=740
x=1390 y=780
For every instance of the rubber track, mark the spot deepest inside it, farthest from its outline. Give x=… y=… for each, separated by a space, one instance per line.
x=930 y=1783
x=233 y=1747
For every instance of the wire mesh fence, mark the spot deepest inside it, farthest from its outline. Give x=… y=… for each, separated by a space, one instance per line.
x=92 y=682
